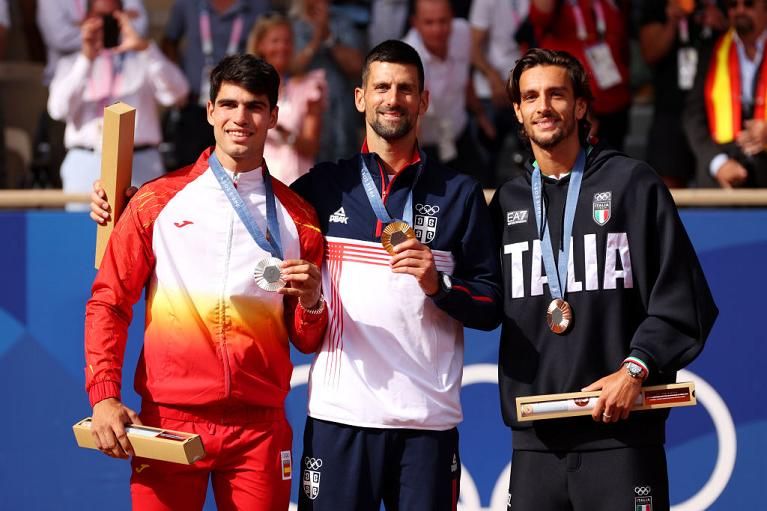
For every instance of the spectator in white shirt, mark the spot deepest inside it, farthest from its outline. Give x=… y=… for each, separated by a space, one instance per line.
x=135 y=72
x=494 y=52
x=444 y=44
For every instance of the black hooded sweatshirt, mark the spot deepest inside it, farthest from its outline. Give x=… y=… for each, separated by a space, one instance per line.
x=635 y=286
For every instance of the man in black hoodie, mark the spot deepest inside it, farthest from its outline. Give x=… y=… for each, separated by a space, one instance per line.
x=625 y=302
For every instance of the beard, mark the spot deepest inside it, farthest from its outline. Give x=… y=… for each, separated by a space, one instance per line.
x=550 y=140
x=391 y=131
x=743 y=25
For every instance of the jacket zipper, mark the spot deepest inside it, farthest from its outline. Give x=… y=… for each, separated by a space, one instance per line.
x=222 y=308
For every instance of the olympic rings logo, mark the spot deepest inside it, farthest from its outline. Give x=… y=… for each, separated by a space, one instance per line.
x=642 y=491
x=602 y=196
x=426 y=209
x=313 y=463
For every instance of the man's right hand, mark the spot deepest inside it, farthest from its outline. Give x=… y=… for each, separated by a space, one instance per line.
x=731 y=174
x=100 y=210
x=108 y=427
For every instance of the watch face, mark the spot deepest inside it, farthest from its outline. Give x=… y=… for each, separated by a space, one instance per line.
x=447 y=282
x=634 y=369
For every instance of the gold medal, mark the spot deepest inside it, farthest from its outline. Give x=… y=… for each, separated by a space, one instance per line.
x=559 y=316
x=267 y=274
x=396 y=233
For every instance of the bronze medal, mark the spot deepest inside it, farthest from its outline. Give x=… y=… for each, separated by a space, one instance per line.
x=559 y=316
x=396 y=233
x=268 y=275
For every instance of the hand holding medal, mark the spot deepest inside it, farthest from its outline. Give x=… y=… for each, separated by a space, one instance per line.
x=301 y=279
x=414 y=258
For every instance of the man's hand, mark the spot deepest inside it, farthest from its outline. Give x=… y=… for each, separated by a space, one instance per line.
x=415 y=258
x=619 y=392
x=130 y=39
x=731 y=174
x=304 y=281
x=108 y=427
x=100 y=210
x=753 y=138
x=92 y=35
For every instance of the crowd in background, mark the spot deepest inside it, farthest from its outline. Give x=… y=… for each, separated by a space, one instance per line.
x=698 y=62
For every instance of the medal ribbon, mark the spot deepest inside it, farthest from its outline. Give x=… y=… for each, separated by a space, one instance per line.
x=580 y=23
x=557 y=274
x=379 y=208
x=271 y=242
x=207 y=37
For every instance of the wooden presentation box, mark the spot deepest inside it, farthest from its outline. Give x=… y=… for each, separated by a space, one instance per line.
x=573 y=404
x=153 y=443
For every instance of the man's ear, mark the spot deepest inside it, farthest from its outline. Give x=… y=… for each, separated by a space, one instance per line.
x=273 y=116
x=359 y=99
x=424 y=102
x=581 y=108
x=209 y=108
x=517 y=112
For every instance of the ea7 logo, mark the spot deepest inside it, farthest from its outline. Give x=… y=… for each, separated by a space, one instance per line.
x=516 y=217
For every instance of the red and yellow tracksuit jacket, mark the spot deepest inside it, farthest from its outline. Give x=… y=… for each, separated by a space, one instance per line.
x=212 y=336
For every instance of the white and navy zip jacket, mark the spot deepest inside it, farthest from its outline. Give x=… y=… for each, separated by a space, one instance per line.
x=392 y=357
x=635 y=286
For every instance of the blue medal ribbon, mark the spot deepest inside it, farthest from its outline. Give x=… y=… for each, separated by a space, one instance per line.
x=557 y=274
x=271 y=242
x=379 y=208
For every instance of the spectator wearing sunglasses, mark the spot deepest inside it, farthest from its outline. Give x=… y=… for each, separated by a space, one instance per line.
x=725 y=116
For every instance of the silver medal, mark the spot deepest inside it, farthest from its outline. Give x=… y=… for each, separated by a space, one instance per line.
x=268 y=275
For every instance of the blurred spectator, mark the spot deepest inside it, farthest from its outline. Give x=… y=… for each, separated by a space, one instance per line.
x=495 y=27
x=209 y=30
x=726 y=110
x=135 y=72
x=5 y=24
x=326 y=39
x=388 y=20
x=595 y=32
x=444 y=44
x=59 y=24
x=291 y=147
x=670 y=35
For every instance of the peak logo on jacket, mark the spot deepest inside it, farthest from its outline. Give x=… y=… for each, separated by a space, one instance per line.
x=616 y=257
x=339 y=217
x=425 y=222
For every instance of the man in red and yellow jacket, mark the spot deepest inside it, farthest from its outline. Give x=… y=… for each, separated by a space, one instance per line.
x=205 y=244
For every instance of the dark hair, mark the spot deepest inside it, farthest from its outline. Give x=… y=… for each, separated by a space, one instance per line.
x=249 y=72
x=578 y=78
x=394 y=52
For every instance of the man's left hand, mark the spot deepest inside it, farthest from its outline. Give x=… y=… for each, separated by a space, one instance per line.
x=303 y=281
x=415 y=258
x=619 y=392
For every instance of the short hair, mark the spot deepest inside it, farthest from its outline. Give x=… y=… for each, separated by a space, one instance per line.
x=264 y=24
x=249 y=72
x=579 y=79
x=394 y=52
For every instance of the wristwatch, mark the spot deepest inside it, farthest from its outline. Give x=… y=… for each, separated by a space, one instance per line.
x=445 y=285
x=635 y=370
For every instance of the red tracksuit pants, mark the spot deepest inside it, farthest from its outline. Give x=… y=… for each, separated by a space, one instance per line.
x=247 y=458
